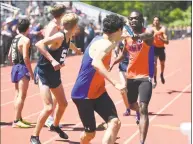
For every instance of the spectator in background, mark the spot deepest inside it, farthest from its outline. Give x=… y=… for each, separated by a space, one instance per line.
x=6 y=39
x=90 y=33
x=79 y=37
x=189 y=31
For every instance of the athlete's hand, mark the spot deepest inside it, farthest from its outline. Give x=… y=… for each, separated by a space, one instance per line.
x=78 y=52
x=135 y=37
x=125 y=34
x=62 y=65
x=56 y=65
x=120 y=87
x=32 y=76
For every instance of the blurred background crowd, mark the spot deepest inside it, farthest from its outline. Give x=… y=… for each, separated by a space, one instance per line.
x=90 y=23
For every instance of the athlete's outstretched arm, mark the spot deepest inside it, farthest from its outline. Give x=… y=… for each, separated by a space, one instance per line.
x=147 y=36
x=26 y=58
x=58 y=37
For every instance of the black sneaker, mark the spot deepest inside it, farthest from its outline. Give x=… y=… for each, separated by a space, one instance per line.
x=35 y=140
x=162 y=78
x=59 y=131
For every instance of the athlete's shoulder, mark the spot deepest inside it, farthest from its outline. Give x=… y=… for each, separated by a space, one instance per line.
x=25 y=40
x=101 y=42
x=163 y=28
x=99 y=46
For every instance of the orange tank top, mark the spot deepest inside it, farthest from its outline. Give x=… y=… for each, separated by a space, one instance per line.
x=138 y=59
x=158 y=43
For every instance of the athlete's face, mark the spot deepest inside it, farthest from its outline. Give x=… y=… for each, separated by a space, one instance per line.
x=156 y=21
x=74 y=29
x=134 y=20
x=117 y=35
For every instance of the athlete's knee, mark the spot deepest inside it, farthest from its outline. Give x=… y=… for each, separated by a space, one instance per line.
x=114 y=123
x=162 y=63
x=63 y=105
x=134 y=106
x=49 y=108
x=143 y=108
x=87 y=137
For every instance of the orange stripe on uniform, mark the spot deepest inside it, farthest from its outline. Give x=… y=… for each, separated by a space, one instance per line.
x=97 y=86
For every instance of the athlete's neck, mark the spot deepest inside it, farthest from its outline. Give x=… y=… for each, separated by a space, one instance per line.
x=68 y=34
x=110 y=37
x=158 y=27
x=137 y=30
x=24 y=34
x=57 y=21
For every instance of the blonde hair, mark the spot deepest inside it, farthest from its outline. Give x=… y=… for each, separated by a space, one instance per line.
x=69 y=20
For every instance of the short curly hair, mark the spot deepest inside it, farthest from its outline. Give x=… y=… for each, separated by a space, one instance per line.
x=113 y=23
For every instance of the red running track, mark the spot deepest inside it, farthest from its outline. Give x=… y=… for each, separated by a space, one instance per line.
x=169 y=107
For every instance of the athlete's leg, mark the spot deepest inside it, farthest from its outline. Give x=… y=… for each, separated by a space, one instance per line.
x=145 y=92
x=20 y=95
x=105 y=107
x=162 y=63
x=86 y=113
x=50 y=119
x=61 y=103
x=60 y=108
x=123 y=80
x=22 y=88
x=112 y=130
x=86 y=137
x=132 y=95
x=48 y=108
x=155 y=71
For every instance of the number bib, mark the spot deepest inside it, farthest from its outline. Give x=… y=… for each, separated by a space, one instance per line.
x=63 y=55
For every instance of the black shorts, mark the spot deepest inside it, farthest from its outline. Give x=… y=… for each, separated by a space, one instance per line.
x=160 y=52
x=141 y=87
x=103 y=105
x=47 y=77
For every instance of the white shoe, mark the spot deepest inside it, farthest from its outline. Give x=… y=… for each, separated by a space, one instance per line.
x=50 y=121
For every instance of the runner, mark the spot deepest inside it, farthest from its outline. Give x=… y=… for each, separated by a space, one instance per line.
x=21 y=70
x=47 y=74
x=53 y=27
x=139 y=71
x=89 y=93
x=160 y=39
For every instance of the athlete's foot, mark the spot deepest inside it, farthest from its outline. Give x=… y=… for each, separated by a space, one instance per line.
x=154 y=84
x=137 y=117
x=103 y=125
x=127 y=113
x=20 y=124
x=26 y=122
x=50 y=121
x=59 y=131
x=162 y=78
x=35 y=140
